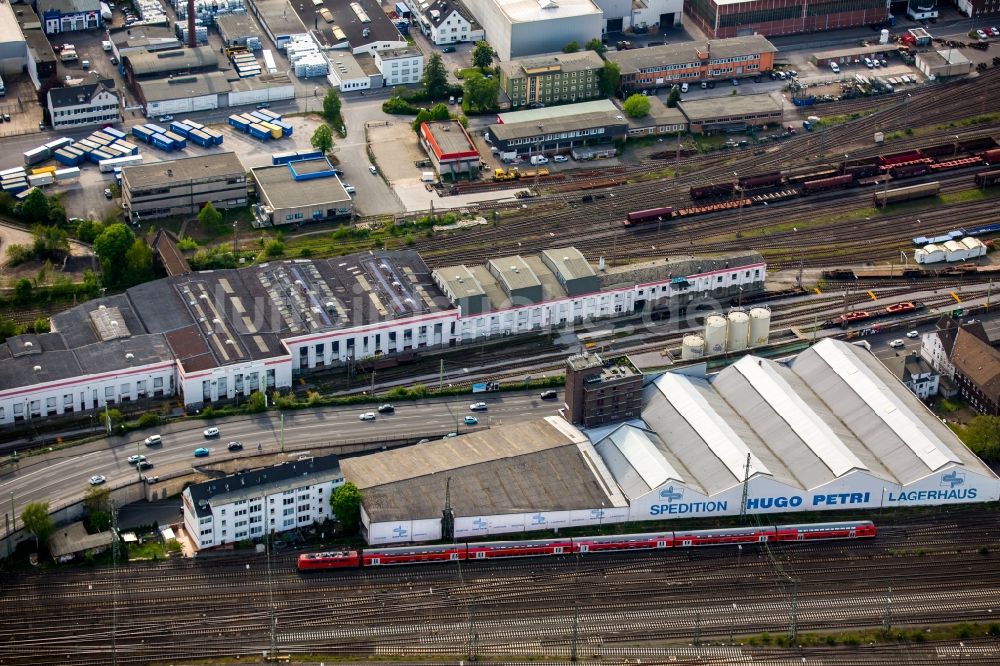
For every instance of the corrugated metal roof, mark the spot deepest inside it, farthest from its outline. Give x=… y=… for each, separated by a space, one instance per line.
x=885 y=404
x=632 y=454
x=809 y=427
x=710 y=426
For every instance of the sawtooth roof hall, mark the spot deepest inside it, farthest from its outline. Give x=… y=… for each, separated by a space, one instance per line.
x=831 y=429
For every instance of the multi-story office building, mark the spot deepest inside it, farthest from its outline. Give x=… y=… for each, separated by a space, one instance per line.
x=599 y=391
x=400 y=67
x=88 y=104
x=563 y=77
x=269 y=500
x=183 y=187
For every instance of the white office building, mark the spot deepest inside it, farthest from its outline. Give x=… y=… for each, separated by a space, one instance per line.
x=400 y=66
x=94 y=103
x=256 y=502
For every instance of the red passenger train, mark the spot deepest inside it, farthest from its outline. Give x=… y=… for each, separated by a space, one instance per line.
x=492 y=550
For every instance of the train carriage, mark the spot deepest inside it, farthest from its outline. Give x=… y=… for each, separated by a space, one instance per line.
x=824 y=531
x=988 y=178
x=723 y=536
x=647 y=216
x=500 y=549
x=342 y=559
x=374 y=557
x=618 y=542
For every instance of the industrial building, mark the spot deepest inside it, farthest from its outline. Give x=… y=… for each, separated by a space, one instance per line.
x=550 y=79
x=299 y=192
x=450 y=148
x=558 y=129
x=691 y=62
x=13 y=49
x=661 y=119
x=830 y=429
x=723 y=114
x=94 y=103
x=139 y=65
x=943 y=63
x=357 y=26
x=518 y=28
x=212 y=336
x=60 y=16
x=975 y=8
x=650 y=16
x=400 y=66
x=182 y=94
x=266 y=500
x=183 y=187
x=239 y=30
x=600 y=391
x=41 y=60
x=735 y=18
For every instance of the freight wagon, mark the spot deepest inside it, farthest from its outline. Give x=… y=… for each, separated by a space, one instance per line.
x=647 y=216
x=713 y=190
x=909 y=193
x=988 y=178
x=824 y=184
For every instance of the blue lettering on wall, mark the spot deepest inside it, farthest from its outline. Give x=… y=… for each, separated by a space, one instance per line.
x=688 y=507
x=836 y=499
x=932 y=495
x=759 y=503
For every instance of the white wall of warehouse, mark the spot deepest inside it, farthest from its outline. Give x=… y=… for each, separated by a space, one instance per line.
x=258 y=95
x=183 y=105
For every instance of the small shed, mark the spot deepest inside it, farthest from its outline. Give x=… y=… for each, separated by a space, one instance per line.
x=946 y=62
x=73 y=540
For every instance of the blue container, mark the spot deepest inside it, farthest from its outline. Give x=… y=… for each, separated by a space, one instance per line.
x=155 y=129
x=116 y=133
x=286 y=129
x=162 y=142
x=260 y=132
x=179 y=128
x=142 y=133
x=200 y=138
x=179 y=141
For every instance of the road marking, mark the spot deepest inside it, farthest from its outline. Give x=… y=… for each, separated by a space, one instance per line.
x=955 y=296
x=817 y=290
x=49 y=468
x=873 y=296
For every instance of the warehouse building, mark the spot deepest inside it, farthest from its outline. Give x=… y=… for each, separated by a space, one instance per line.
x=41 y=59
x=649 y=16
x=691 y=62
x=551 y=79
x=518 y=28
x=728 y=114
x=239 y=30
x=450 y=148
x=267 y=500
x=831 y=429
x=140 y=65
x=558 y=129
x=183 y=94
x=943 y=63
x=299 y=192
x=13 y=49
x=279 y=20
x=183 y=187
x=735 y=18
x=359 y=26
x=60 y=16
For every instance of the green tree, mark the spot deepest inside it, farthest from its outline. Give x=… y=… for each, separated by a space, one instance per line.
x=482 y=55
x=331 y=108
x=572 y=47
x=674 y=97
x=436 y=112
x=322 y=138
x=50 y=242
x=41 y=325
x=982 y=435
x=346 y=504
x=274 y=248
x=435 y=79
x=480 y=94
x=636 y=106
x=210 y=218
x=138 y=264
x=37 y=520
x=35 y=207
x=596 y=45
x=111 y=247
x=88 y=230
x=57 y=215
x=97 y=502
x=611 y=76
x=256 y=403
x=22 y=291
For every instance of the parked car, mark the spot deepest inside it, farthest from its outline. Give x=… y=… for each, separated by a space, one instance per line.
x=897 y=343
x=478 y=406
x=263 y=105
x=548 y=395
x=97 y=479
x=165 y=119
x=386 y=409
x=736 y=82
x=235 y=446
x=981 y=34
x=471 y=420
x=372 y=169
x=350 y=189
x=367 y=416
x=684 y=87
x=108 y=194
x=200 y=452
x=211 y=432
x=560 y=158
x=448 y=49
x=133 y=459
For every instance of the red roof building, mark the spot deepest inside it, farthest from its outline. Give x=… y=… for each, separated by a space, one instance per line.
x=450 y=148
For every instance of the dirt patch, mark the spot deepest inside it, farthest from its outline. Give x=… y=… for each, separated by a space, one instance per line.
x=396 y=150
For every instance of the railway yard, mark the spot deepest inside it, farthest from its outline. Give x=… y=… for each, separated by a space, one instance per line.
x=710 y=605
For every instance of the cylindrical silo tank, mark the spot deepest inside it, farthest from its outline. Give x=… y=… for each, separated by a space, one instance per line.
x=739 y=330
x=760 y=326
x=692 y=347
x=715 y=334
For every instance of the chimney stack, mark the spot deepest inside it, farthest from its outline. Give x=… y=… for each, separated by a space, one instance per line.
x=192 y=40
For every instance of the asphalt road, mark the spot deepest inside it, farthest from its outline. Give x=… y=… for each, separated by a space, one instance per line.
x=62 y=477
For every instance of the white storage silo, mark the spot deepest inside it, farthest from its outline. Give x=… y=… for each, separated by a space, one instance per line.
x=739 y=330
x=760 y=326
x=715 y=334
x=692 y=347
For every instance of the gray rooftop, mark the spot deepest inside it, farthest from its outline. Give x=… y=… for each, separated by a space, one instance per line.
x=279 y=17
x=513 y=273
x=374 y=20
x=831 y=411
x=263 y=481
x=569 y=262
x=568 y=122
x=73 y=538
x=237 y=26
x=76 y=95
x=580 y=61
x=279 y=189
x=632 y=61
x=180 y=87
x=396 y=53
x=213 y=165
x=450 y=137
x=68 y=6
x=146 y=63
x=460 y=281
x=711 y=108
x=678 y=266
x=659 y=114
x=505 y=469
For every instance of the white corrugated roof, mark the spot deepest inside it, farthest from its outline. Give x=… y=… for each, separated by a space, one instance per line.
x=710 y=426
x=644 y=457
x=886 y=405
x=809 y=427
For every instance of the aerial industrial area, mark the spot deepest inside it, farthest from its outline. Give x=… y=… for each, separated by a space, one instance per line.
x=311 y=312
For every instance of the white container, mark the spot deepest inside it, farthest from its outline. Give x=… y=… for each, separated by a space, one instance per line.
x=739 y=331
x=715 y=334
x=692 y=347
x=760 y=326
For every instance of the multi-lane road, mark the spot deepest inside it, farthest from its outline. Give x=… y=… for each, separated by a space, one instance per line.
x=61 y=477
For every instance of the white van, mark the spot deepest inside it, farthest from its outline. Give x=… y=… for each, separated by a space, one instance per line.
x=835 y=67
x=427 y=177
x=539 y=159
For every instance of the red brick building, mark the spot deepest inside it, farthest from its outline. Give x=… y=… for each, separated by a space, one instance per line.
x=732 y=18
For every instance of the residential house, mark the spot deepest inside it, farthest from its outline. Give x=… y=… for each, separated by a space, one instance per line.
x=915 y=373
x=977 y=372
x=94 y=103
